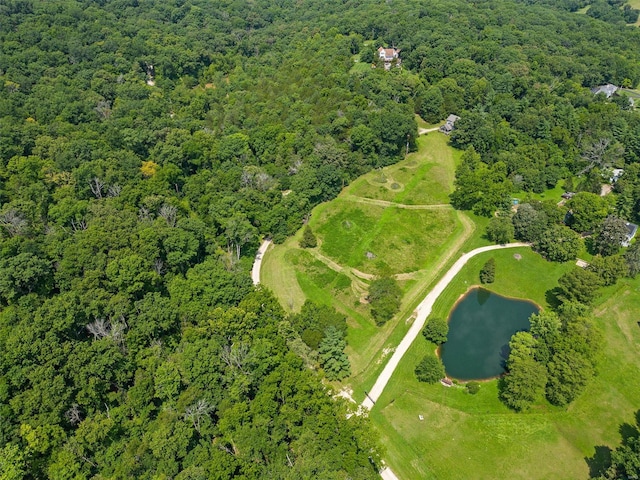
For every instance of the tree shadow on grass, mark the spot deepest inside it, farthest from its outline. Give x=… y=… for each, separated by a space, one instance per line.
x=599 y=462
x=552 y=297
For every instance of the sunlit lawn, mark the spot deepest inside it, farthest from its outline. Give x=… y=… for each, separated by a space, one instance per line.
x=466 y=436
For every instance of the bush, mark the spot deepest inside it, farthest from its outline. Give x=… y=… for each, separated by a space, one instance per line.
x=308 y=239
x=436 y=330
x=430 y=369
x=488 y=272
x=384 y=296
x=473 y=387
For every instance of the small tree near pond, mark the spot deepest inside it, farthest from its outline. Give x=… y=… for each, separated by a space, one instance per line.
x=488 y=272
x=430 y=369
x=436 y=330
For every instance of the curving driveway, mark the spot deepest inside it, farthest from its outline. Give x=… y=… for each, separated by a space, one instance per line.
x=257 y=263
x=422 y=312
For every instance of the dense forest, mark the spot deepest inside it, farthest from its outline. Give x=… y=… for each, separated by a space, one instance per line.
x=145 y=147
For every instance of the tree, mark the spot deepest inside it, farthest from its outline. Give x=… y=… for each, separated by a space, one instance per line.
x=500 y=230
x=625 y=460
x=588 y=210
x=488 y=271
x=436 y=330
x=13 y=462
x=335 y=362
x=578 y=285
x=529 y=223
x=384 y=296
x=308 y=239
x=632 y=257
x=611 y=235
x=430 y=369
x=524 y=384
x=609 y=269
x=569 y=372
x=559 y=244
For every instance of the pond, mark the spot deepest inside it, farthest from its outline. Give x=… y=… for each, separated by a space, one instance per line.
x=480 y=327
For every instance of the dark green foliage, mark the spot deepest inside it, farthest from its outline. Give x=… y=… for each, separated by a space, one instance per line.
x=136 y=177
x=529 y=223
x=500 y=230
x=625 y=460
x=308 y=239
x=559 y=244
x=579 y=285
x=632 y=257
x=334 y=361
x=385 y=297
x=611 y=235
x=436 y=330
x=488 y=271
x=609 y=269
x=430 y=369
x=540 y=360
x=524 y=384
x=480 y=187
x=314 y=320
x=473 y=387
x=588 y=211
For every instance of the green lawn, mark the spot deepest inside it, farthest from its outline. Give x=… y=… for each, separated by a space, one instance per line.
x=465 y=436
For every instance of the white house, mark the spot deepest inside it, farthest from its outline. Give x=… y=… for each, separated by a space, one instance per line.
x=389 y=55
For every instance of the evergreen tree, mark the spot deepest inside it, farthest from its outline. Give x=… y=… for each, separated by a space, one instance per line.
x=488 y=272
x=308 y=239
x=334 y=361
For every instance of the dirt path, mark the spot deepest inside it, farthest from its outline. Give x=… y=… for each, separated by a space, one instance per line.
x=422 y=312
x=422 y=131
x=385 y=203
x=257 y=263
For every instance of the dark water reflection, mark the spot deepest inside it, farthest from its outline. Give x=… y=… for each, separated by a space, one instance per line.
x=480 y=327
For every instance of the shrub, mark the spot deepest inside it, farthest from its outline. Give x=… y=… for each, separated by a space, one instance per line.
x=473 y=387
x=384 y=296
x=430 y=369
x=436 y=330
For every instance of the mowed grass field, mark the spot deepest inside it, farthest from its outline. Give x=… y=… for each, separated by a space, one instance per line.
x=475 y=436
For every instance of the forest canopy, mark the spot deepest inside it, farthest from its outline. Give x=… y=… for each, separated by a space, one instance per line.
x=146 y=147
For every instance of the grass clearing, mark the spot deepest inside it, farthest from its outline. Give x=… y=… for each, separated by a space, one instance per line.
x=401 y=240
x=466 y=436
x=425 y=177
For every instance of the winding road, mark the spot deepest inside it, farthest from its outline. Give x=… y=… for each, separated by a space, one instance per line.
x=422 y=312
x=257 y=263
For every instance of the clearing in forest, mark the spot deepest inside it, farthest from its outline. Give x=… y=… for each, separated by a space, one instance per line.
x=403 y=227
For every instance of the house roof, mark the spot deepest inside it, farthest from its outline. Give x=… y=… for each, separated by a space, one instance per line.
x=389 y=53
x=452 y=118
x=608 y=89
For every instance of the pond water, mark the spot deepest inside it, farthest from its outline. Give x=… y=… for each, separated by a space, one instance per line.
x=480 y=327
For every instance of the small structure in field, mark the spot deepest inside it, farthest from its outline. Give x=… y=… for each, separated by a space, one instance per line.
x=446 y=382
x=449 y=124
